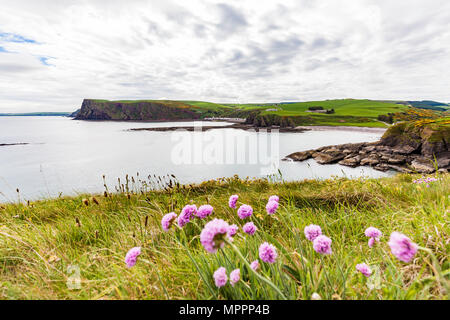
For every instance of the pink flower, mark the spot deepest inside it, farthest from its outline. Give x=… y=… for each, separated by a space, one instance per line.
x=372 y=241
x=322 y=244
x=274 y=198
x=204 y=211
x=249 y=228
x=255 y=265
x=364 y=269
x=220 y=277
x=167 y=220
x=131 y=256
x=232 y=201
x=235 y=276
x=232 y=230
x=271 y=207
x=186 y=214
x=245 y=211
x=267 y=252
x=372 y=232
x=402 y=247
x=312 y=231
x=214 y=234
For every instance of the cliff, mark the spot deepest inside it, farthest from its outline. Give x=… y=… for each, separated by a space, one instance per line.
x=136 y=110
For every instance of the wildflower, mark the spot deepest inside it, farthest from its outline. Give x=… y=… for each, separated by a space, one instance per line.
x=322 y=244
x=131 y=256
x=167 y=220
x=186 y=214
x=374 y=235
x=364 y=269
x=271 y=206
x=204 y=211
x=232 y=230
x=267 y=252
x=245 y=211
x=316 y=296
x=220 y=277
x=214 y=234
x=235 y=276
x=312 y=231
x=249 y=228
x=232 y=201
x=255 y=265
x=274 y=198
x=402 y=247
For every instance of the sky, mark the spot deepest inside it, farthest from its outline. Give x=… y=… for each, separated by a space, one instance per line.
x=53 y=54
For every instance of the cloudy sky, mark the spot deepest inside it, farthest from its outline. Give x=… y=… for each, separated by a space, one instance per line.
x=55 y=53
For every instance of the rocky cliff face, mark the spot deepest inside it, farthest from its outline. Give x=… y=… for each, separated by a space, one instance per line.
x=404 y=147
x=136 y=110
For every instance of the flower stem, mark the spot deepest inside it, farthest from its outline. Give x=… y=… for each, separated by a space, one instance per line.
x=270 y=283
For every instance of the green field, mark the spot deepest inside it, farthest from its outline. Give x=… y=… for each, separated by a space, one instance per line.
x=348 y=112
x=43 y=244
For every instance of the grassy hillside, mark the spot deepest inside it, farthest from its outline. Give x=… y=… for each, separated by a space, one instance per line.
x=40 y=241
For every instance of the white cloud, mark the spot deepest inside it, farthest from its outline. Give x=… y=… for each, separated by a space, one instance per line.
x=55 y=53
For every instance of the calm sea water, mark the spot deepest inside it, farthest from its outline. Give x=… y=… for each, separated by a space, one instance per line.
x=69 y=157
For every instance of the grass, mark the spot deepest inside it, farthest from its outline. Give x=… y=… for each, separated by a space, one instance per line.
x=43 y=244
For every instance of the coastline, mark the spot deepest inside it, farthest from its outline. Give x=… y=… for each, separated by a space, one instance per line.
x=344 y=128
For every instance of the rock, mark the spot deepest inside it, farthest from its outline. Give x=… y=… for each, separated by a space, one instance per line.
x=399 y=168
x=382 y=167
x=300 y=156
x=327 y=158
x=405 y=149
x=369 y=161
x=422 y=165
x=350 y=162
x=397 y=159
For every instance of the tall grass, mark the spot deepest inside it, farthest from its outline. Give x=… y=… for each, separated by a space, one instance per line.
x=39 y=241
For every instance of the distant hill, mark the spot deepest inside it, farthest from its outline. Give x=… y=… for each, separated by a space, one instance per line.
x=432 y=105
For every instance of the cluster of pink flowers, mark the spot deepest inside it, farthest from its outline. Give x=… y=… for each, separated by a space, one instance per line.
x=272 y=205
x=232 y=230
x=245 y=211
x=204 y=211
x=232 y=202
x=321 y=243
x=425 y=180
x=402 y=247
x=217 y=232
x=373 y=234
x=364 y=269
x=221 y=278
x=167 y=221
x=186 y=214
x=312 y=232
x=131 y=256
x=255 y=265
x=249 y=228
x=268 y=253
x=214 y=235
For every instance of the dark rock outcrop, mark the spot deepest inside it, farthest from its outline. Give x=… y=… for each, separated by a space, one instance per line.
x=136 y=110
x=404 y=148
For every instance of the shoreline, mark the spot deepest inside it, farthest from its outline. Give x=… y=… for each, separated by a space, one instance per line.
x=344 y=128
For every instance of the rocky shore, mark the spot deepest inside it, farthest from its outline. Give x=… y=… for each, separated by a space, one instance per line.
x=401 y=148
x=233 y=126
